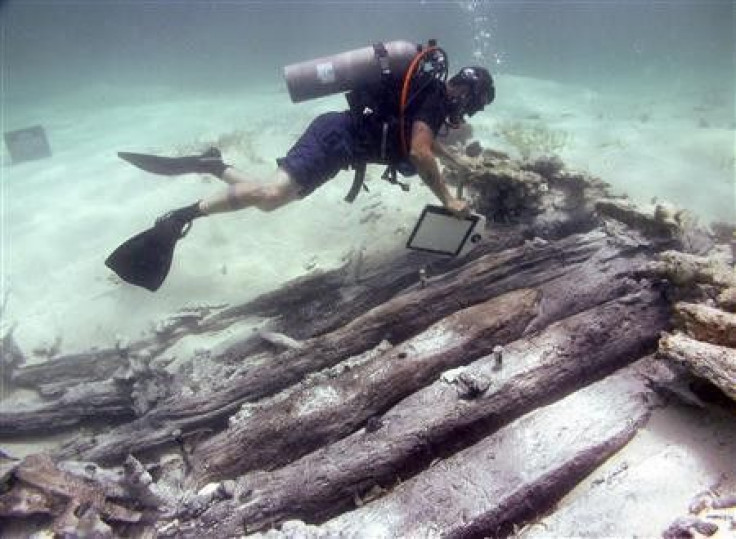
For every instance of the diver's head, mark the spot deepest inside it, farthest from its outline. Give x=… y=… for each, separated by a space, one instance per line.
x=469 y=92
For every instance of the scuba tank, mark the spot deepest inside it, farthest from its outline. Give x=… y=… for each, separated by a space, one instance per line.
x=348 y=70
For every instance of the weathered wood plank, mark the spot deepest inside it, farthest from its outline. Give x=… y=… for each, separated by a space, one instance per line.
x=76 y=504
x=534 y=371
x=272 y=434
x=395 y=320
x=71 y=369
x=84 y=401
x=706 y=323
x=710 y=361
x=686 y=270
x=518 y=470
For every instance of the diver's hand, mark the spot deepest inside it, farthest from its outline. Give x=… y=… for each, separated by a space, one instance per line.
x=459 y=208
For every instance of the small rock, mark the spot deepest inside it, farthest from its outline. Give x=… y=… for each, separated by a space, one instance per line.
x=683 y=526
x=474 y=149
x=472 y=385
x=678 y=530
x=725 y=502
x=700 y=502
x=706 y=528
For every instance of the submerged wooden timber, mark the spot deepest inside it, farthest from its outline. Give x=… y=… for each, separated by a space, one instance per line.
x=383 y=400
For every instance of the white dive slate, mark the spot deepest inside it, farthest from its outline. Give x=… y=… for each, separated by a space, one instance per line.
x=438 y=231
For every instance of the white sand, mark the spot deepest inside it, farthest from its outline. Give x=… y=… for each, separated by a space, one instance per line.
x=647 y=485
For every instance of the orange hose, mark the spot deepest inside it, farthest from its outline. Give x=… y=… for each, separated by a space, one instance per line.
x=405 y=95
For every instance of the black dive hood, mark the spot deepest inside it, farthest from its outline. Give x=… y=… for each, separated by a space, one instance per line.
x=480 y=91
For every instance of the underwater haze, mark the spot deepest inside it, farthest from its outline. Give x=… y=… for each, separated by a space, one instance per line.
x=65 y=46
x=640 y=93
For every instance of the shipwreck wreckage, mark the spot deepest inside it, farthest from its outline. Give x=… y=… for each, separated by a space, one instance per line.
x=399 y=394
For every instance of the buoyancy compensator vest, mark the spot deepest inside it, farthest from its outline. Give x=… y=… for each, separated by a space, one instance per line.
x=381 y=82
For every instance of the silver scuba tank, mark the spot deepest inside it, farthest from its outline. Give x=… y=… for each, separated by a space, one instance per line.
x=348 y=70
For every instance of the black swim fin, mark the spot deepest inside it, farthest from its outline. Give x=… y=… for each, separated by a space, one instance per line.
x=145 y=259
x=209 y=162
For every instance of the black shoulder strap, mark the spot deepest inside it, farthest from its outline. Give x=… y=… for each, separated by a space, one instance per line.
x=359 y=181
x=355 y=104
x=379 y=49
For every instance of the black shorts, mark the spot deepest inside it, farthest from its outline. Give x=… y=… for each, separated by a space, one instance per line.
x=325 y=148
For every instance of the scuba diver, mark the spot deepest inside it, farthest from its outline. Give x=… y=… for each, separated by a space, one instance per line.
x=399 y=98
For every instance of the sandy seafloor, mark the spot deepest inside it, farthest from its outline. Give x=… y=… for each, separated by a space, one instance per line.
x=63 y=215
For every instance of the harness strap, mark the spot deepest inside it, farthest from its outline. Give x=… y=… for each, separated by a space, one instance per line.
x=379 y=49
x=390 y=176
x=358 y=182
x=384 y=140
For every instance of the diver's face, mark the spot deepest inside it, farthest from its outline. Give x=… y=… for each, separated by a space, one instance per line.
x=458 y=92
x=461 y=103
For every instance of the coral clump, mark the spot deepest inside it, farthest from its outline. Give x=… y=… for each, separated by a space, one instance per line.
x=534 y=139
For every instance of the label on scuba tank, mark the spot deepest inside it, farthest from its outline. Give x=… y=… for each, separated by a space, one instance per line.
x=326 y=73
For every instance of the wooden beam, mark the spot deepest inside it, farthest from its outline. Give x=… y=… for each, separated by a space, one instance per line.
x=442 y=417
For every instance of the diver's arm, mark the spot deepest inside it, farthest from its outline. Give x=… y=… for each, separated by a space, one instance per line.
x=423 y=158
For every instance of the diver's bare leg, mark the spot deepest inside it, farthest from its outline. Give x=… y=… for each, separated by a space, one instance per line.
x=232 y=175
x=245 y=193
